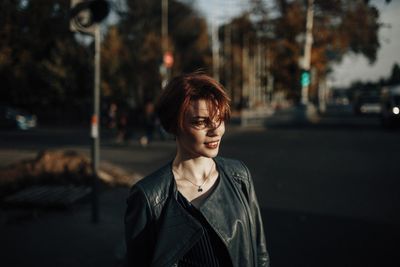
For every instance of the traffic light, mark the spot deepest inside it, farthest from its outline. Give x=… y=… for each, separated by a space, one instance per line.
x=305 y=78
x=168 y=59
x=84 y=14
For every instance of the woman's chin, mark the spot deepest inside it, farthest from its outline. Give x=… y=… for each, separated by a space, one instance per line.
x=211 y=153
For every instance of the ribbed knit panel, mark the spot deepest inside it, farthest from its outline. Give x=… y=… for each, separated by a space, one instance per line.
x=210 y=251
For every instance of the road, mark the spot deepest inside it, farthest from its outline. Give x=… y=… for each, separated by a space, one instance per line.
x=328 y=192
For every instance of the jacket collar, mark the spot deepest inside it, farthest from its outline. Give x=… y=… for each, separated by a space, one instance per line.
x=178 y=231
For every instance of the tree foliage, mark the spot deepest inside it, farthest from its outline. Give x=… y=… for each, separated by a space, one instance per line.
x=42 y=67
x=395 y=75
x=340 y=27
x=46 y=69
x=139 y=56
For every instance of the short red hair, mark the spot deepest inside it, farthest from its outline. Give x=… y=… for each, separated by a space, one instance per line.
x=175 y=99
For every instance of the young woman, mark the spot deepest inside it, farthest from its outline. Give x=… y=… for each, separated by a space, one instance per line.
x=199 y=209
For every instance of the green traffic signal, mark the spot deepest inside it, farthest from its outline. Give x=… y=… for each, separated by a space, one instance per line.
x=305 y=78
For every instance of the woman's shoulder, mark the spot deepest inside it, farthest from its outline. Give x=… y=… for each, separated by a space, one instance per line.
x=234 y=167
x=155 y=186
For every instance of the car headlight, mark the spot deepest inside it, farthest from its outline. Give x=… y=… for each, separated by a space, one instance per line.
x=396 y=110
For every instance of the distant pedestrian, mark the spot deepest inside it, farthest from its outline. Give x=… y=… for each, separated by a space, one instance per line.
x=199 y=209
x=149 y=120
x=122 y=126
x=112 y=116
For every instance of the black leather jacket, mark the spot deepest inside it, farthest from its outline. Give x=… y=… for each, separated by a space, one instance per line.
x=159 y=231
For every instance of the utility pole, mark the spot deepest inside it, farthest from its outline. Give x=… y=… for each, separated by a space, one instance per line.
x=245 y=73
x=270 y=77
x=215 y=49
x=259 y=62
x=252 y=79
x=228 y=60
x=168 y=59
x=305 y=76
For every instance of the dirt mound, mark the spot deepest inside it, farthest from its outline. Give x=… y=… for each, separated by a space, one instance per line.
x=61 y=167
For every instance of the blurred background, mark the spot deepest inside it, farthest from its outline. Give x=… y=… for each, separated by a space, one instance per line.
x=315 y=90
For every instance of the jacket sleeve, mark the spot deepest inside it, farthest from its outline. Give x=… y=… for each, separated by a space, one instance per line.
x=262 y=253
x=138 y=229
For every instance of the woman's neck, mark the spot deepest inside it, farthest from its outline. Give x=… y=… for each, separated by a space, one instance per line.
x=195 y=168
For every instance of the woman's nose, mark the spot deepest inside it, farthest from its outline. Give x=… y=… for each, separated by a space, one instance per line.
x=216 y=128
x=214 y=124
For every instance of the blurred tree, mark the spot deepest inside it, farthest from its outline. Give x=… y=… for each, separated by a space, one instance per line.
x=48 y=69
x=191 y=43
x=340 y=27
x=243 y=38
x=42 y=67
x=139 y=35
x=395 y=75
x=116 y=68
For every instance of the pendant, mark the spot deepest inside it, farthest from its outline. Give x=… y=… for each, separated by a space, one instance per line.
x=200 y=189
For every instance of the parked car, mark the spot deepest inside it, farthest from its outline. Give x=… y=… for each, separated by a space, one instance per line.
x=367 y=104
x=12 y=117
x=390 y=106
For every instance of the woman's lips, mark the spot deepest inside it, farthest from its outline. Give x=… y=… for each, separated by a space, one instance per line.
x=212 y=145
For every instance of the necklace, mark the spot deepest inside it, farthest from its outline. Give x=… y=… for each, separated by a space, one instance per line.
x=199 y=187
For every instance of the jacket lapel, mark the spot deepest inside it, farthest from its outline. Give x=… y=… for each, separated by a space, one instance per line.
x=178 y=230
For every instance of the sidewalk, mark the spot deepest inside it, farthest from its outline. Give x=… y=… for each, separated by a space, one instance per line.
x=34 y=237
x=68 y=237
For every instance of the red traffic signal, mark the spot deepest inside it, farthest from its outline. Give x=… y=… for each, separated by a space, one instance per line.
x=168 y=59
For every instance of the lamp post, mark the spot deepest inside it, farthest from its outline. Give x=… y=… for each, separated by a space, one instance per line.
x=85 y=18
x=95 y=121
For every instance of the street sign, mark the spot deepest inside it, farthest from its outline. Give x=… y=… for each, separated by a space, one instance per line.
x=85 y=14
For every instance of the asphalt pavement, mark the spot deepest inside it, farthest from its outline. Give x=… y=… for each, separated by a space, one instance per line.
x=327 y=190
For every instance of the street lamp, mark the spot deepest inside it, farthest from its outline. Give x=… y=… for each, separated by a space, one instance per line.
x=85 y=17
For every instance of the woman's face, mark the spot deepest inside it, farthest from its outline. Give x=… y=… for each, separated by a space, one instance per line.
x=201 y=136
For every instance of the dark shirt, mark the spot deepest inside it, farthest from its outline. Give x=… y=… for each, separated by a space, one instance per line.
x=209 y=251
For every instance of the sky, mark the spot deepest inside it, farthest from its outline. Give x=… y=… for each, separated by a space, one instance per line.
x=356 y=67
x=219 y=11
x=353 y=67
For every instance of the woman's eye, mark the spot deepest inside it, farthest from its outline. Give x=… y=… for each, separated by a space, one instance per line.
x=200 y=123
